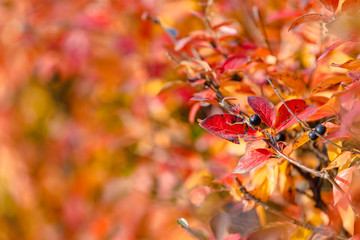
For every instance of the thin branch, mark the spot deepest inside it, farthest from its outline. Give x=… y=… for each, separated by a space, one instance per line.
x=262 y=26
x=184 y=225
x=293 y=162
x=172 y=57
x=306 y=125
x=249 y=196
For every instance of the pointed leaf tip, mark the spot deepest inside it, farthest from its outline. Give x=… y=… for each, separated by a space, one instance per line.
x=252 y=159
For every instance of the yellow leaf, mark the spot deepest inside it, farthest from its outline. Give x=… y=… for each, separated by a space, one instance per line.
x=301 y=233
x=261 y=214
x=348 y=218
x=235 y=192
x=301 y=140
x=334 y=151
x=342 y=160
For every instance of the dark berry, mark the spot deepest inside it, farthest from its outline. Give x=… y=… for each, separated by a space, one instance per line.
x=312 y=135
x=255 y=120
x=320 y=129
x=280 y=137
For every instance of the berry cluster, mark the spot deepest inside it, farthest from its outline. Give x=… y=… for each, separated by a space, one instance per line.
x=255 y=120
x=320 y=129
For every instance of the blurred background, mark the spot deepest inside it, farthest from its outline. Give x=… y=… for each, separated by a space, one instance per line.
x=91 y=145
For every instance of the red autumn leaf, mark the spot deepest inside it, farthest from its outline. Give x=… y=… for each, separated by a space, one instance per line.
x=198 y=14
x=285 y=119
x=229 y=127
x=264 y=108
x=199 y=194
x=331 y=5
x=311 y=17
x=206 y=96
x=194 y=109
x=283 y=15
x=234 y=62
x=351 y=116
x=343 y=179
x=252 y=159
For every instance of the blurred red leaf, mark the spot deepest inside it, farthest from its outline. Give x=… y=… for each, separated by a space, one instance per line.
x=283 y=15
x=343 y=179
x=180 y=44
x=338 y=134
x=194 y=109
x=229 y=127
x=264 y=108
x=252 y=159
x=234 y=62
x=198 y=195
x=284 y=118
x=311 y=17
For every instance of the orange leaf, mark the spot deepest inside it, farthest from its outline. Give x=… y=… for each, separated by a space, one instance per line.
x=330 y=82
x=340 y=160
x=332 y=107
x=311 y=17
x=290 y=80
x=301 y=140
x=198 y=195
x=351 y=7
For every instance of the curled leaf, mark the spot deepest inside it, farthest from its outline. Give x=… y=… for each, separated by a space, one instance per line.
x=311 y=17
x=234 y=62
